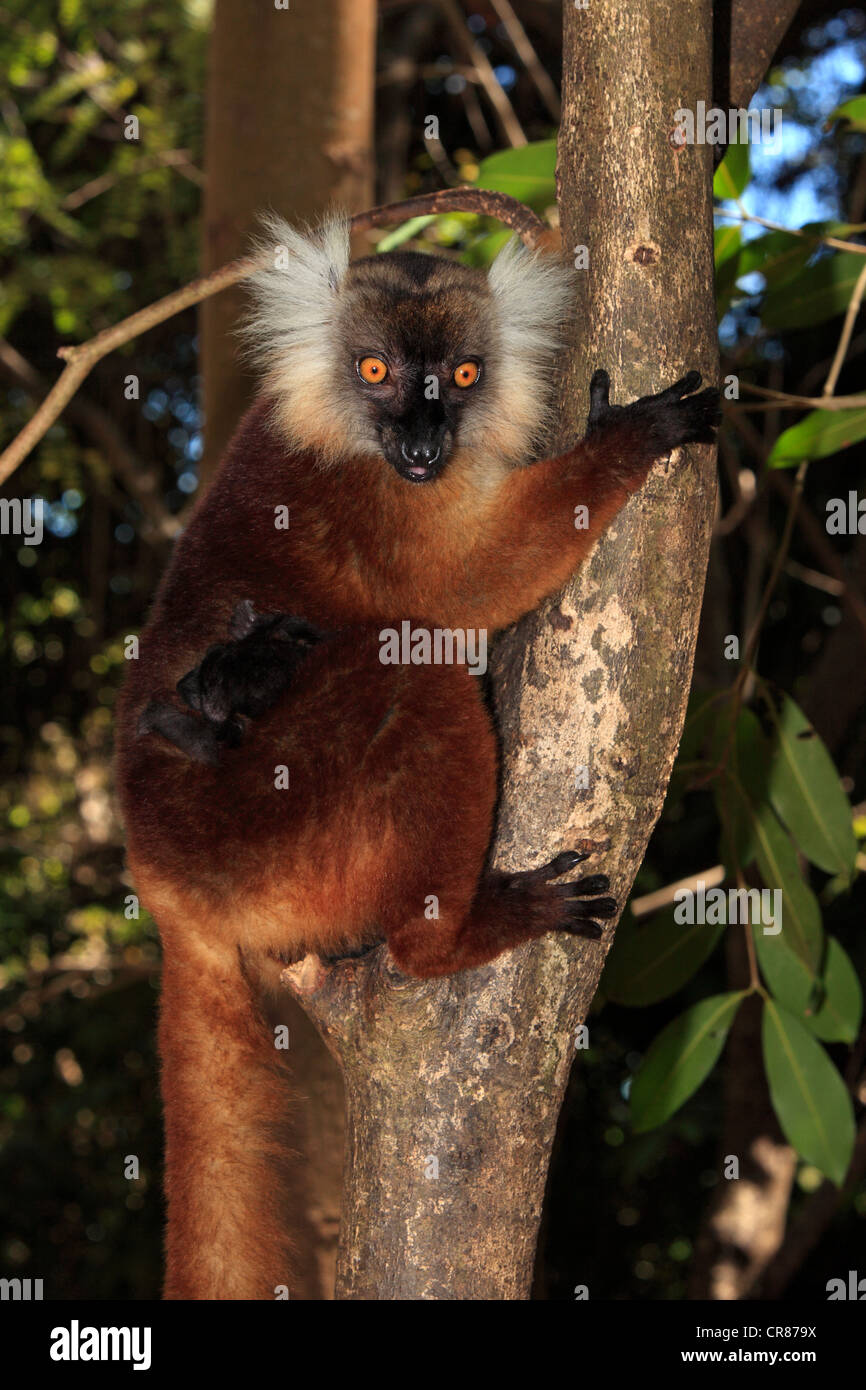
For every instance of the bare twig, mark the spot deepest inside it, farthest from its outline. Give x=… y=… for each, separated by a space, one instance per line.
x=797 y=490
x=176 y=159
x=82 y=357
x=743 y=216
x=506 y=115
x=780 y=400
x=525 y=51
x=138 y=481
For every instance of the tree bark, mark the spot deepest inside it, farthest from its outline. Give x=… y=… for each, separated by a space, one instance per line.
x=454 y=1086
x=289 y=127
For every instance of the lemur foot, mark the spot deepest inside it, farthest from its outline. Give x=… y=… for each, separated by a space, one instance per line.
x=667 y=420
x=569 y=907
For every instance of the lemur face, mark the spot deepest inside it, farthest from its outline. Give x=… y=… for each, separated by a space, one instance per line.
x=420 y=347
x=408 y=358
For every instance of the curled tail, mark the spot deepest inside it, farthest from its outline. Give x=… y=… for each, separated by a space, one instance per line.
x=227 y=1102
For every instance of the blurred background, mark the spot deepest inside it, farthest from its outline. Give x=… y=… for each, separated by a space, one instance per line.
x=101 y=214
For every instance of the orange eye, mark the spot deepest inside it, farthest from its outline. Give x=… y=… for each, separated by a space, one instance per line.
x=466 y=374
x=372 y=370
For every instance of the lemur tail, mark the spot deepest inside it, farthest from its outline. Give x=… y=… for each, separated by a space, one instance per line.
x=226 y=1118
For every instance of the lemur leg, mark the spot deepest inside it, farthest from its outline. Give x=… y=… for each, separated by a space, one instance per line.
x=507 y=910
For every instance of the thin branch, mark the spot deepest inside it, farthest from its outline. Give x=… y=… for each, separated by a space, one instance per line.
x=663 y=897
x=524 y=49
x=743 y=216
x=176 y=159
x=824 y=582
x=139 y=481
x=797 y=489
x=783 y=399
x=82 y=357
x=511 y=127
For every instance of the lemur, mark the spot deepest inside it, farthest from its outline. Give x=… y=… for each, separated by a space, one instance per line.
x=389 y=471
x=245 y=675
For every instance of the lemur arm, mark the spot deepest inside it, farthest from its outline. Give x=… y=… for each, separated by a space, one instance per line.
x=533 y=543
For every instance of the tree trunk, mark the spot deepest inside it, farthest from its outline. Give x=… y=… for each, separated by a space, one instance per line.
x=454 y=1086
x=289 y=127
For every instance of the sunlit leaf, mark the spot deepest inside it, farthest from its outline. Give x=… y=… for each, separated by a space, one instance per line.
x=805 y=789
x=809 y=1096
x=852 y=111
x=732 y=175
x=526 y=173
x=817 y=435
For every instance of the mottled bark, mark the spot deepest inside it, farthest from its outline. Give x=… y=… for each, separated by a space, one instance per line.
x=454 y=1086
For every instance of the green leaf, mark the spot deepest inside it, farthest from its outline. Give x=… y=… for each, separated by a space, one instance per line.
x=822 y=291
x=792 y=982
x=839 y=1015
x=853 y=111
x=780 y=256
x=651 y=962
x=405 y=232
x=741 y=787
x=527 y=173
x=780 y=868
x=805 y=789
x=809 y=1096
x=704 y=712
x=680 y=1058
x=486 y=248
x=732 y=174
x=817 y=435
x=726 y=242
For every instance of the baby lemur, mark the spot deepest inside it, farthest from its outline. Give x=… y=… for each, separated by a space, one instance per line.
x=385 y=476
x=246 y=675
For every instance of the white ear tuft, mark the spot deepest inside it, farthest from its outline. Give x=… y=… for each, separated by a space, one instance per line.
x=533 y=292
x=294 y=294
x=291 y=329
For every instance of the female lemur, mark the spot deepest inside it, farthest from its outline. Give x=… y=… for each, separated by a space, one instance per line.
x=384 y=475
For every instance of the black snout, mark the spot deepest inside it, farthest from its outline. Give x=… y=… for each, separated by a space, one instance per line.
x=419 y=454
x=417 y=437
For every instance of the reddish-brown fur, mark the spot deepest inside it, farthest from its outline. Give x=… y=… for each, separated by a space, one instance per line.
x=392 y=780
